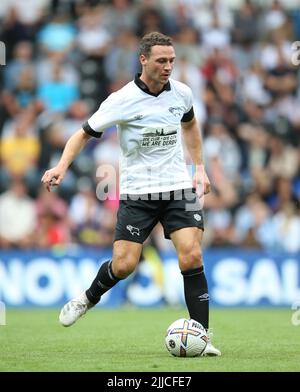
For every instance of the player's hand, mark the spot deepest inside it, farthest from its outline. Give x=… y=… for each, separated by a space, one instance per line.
x=200 y=181
x=52 y=177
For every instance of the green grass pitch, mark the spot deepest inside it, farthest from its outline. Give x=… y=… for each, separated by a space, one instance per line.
x=132 y=340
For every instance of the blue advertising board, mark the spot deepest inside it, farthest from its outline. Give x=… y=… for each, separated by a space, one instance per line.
x=236 y=277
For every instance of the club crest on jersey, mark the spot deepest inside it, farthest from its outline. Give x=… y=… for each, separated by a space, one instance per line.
x=177 y=111
x=133 y=230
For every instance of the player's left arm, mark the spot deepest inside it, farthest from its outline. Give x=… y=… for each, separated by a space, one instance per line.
x=192 y=137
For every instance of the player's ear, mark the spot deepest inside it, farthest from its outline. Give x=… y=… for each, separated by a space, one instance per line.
x=143 y=59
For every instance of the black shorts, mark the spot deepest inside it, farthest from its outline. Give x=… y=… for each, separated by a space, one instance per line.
x=138 y=214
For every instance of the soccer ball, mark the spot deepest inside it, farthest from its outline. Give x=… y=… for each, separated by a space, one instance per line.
x=186 y=338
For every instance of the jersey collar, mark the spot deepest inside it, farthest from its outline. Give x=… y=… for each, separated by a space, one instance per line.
x=144 y=87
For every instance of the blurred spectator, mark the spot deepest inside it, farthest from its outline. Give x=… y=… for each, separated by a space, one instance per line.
x=18 y=217
x=21 y=22
x=84 y=206
x=74 y=118
x=59 y=127
x=50 y=202
x=19 y=153
x=188 y=73
x=108 y=224
x=276 y=52
x=246 y=25
x=122 y=59
x=26 y=117
x=48 y=64
x=283 y=194
x=221 y=147
x=150 y=19
x=187 y=46
x=281 y=80
x=23 y=95
x=25 y=89
x=120 y=15
x=31 y=12
x=253 y=85
x=51 y=232
x=250 y=219
x=284 y=158
x=286 y=224
x=216 y=35
x=203 y=13
x=57 y=95
x=53 y=227
x=22 y=60
x=219 y=221
x=274 y=17
x=219 y=68
x=93 y=38
x=108 y=152
x=58 y=34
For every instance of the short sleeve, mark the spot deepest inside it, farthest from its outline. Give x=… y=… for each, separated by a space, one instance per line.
x=188 y=116
x=188 y=100
x=108 y=114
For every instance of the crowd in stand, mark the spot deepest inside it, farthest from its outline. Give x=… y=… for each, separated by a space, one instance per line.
x=63 y=58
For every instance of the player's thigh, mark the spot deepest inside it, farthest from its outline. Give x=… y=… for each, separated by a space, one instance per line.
x=187 y=242
x=126 y=255
x=182 y=212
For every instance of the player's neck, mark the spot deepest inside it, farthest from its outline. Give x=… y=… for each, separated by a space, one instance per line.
x=154 y=87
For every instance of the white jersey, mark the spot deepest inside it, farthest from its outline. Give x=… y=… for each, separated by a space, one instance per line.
x=149 y=130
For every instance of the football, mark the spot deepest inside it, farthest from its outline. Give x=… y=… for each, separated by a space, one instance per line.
x=186 y=338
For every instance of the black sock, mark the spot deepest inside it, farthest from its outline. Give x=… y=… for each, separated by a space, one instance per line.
x=103 y=282
x=196 y=295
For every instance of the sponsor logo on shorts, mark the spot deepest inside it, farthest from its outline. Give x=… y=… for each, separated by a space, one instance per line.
x=197 y=217
x=133 y=230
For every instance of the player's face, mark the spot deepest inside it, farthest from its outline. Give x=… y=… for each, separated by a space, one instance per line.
x=158 y=66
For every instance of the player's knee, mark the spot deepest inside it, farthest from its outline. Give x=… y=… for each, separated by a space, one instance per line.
x=190 y=259
x=122 y=267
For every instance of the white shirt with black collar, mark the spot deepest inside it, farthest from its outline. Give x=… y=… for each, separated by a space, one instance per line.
x=149 y=130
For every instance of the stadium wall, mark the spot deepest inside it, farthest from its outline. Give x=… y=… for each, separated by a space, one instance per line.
x=236 y=277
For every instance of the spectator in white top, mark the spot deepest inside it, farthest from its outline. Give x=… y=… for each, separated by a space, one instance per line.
x=18 y=217
x=286 y=223
x=221 y=146
x=275 y=17
x=93 y=38
x=202 y=13
x=215 y=36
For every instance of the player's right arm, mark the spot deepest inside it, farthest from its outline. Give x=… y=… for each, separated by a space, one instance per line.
x=72 y=148
x=109 y=113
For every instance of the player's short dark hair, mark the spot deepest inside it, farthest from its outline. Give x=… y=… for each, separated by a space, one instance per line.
x=152 y=39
